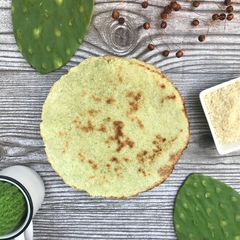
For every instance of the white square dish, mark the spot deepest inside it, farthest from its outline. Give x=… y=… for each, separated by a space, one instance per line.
x=222 y=148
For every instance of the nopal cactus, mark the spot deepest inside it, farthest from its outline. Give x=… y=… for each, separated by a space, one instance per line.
x=13 y=207
x=206 y=209
x=48 y=32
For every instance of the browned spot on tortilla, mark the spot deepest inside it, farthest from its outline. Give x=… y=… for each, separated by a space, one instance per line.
x=91 y=177
x=145 y=67
x=104 y=180
x=142 y=156
x=175 y=138
x=175 y=157
x=90 y=161
x=126 y=159
x=88 y=127
x=65 y=147
x=93 y=112
x=140 y=170
x=108 y=165
x=115 y=159
x=165 y=171
x=81 y=157
x=118 y=168
x=145 y=156
x=62 y=134
x=84 y=93
x=140 y=124
x=119 y=137
x=169 y=97
x=158 y=144
x=160 y=84
x=110 y=100
x=173 y=96
x=93 y=164
x=66 y=138
x=96 y=99
x=102 y=128
x=120 y=78
x=133 y=101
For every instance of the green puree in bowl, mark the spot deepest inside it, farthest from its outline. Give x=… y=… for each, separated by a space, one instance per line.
x=13 y=207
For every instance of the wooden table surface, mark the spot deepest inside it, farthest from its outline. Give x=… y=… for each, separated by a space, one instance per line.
x=70 y=214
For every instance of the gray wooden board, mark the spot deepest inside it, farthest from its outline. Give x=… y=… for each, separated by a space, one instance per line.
x=70 y=214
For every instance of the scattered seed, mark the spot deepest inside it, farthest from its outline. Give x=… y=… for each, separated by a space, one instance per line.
x=201 y=38
x=121 y=20
x=222 y=16
x=115 y=14
x=173 y=4
x=146 y=25
x=195 y=22
x=168 y=9
x=151 y=46
x=230 y=16
x=144 y=4
x=229 y=9
x=163 y=24
x=227 y=2
x=178 y=7
x=163 y=15
x=165 y=53
x=215 y=17
x=196 y=4
x=179 y=54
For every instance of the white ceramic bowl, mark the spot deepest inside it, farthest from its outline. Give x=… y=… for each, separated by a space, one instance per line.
x=221 y=148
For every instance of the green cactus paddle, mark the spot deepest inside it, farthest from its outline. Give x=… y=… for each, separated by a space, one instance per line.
x=48 y=32
x=13 y=207
x=206 y=209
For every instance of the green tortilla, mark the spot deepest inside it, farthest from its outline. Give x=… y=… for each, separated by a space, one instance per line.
x=114 y=127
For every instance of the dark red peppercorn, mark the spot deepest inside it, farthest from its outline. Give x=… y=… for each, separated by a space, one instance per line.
x=121 y=20
x=177 y=7
x=201 y=38
x=165 y=53
x=163 y=24
x=215 y=17
x=168 y=9
x=229 y=9
x=227 y=2
x=179 y=54
x=173 y=4
x=144 y=4
x=195 y=22
x=146 y=25
x=230 y=16
x=163 y=15
x=196 y=4
x=222 y=16
x=151 y=46
x=115 y=14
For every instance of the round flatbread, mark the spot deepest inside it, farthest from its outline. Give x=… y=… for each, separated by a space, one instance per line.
x=114 y=127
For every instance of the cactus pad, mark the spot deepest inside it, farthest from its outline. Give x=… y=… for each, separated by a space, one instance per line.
x=13 y=207
x=206 y=209
x=48 y=32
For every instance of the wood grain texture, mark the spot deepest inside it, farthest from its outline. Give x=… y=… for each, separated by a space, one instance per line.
x=70 y=214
